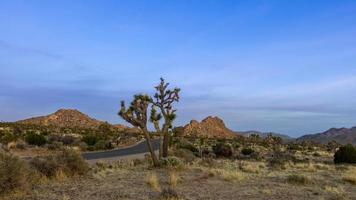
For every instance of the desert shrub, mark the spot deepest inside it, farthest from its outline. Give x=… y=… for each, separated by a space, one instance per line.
x=316 y=154
x=294 y=147
x=67 y=161
x=90 y=148
x=184 y=154
x=14 y=174
x=54 y=138
x=21 y=145
x=102 y=144
x=74 y=162
x=47 y=166
x=55 y=145
x=207 y=153
x=68 y=140
x=298 y=179
x=280 y=159
x=91 y=139
x=277 y=163
x=35 y=139
x=345 y=154
x=222 y=150
x=189 y=146
x=171 y=162
x=247 y=151
x=83 y=146
x=7 y=137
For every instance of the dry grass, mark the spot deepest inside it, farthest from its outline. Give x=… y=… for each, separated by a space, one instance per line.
x=153 y=182
x=60 y=176
x=228 y=175
x=299 y=179
x=206 y=179
x=321 y=166
x=350 y=176
x=307 y=167
x=251 y=167
x=173 y=179
x=335 y=192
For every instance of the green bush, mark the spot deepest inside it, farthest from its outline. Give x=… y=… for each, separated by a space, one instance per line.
x=171 y=161
x=222 y=150
x=184 y=154
x=345 y=154
x=91 y=140
x=103 y=145
x=14 y=174
x=83 y=146
x=247 y=151
x=35 y=139
x=7 y=137
x=189 y=146
x=67 y=161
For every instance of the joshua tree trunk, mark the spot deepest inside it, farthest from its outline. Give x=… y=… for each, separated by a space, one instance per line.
x=150 y=148
x=156 y=125
x=165 y=142
x=161 y=142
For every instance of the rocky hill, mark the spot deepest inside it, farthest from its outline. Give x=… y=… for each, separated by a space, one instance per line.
x=340 y=135
x=65 y=118
x=210 y=127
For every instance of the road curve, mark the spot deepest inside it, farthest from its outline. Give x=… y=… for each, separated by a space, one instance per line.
x=137 y=149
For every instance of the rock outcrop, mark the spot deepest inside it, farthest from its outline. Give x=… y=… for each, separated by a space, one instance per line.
x=210 y=127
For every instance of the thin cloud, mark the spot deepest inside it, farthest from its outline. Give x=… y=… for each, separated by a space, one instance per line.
x=47 y=54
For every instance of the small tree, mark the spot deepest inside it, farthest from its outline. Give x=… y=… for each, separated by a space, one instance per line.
x=33 y=138
x=136 y=115
x=345 y=154
x=164 y=98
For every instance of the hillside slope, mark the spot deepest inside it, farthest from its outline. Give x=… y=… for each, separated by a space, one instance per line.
x=65 y=118
x=340 y=135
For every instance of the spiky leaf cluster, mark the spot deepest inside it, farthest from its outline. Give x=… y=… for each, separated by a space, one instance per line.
x=155 y=116
x=136 y=114
x=164 y=98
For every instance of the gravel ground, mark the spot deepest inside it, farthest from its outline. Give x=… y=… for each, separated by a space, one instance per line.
x=195 y=182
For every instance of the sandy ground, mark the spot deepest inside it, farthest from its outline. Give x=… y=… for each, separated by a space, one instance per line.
x=196 y=181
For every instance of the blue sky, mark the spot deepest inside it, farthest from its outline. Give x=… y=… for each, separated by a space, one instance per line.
x=282 y=66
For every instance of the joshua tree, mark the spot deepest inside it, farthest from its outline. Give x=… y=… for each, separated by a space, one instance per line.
x=155 y=118
x=136 y=115
x=164 y=98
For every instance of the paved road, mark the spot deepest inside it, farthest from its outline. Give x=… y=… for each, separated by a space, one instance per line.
x=137 y=149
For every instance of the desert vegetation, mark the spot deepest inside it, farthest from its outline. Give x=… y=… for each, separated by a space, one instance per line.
x=238 y=168
x=188 y=166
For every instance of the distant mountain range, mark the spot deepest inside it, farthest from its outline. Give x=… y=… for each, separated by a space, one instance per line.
x=211 y=127
x=340 y=135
